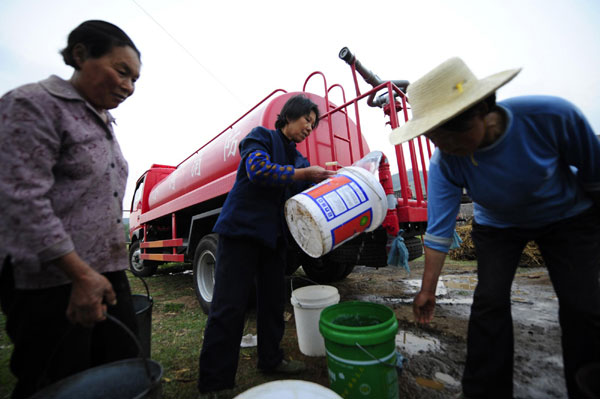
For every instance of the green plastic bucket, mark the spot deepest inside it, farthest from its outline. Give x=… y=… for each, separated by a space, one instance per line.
x=361 y=350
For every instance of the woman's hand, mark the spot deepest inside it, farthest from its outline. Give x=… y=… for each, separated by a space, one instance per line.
x=90 y=291
x=315 y=174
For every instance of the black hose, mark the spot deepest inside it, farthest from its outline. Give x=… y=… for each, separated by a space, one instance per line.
x=369 y=77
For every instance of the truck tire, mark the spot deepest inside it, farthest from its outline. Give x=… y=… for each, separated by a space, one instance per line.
x=139 y=267
x=335 y=265
x=347 y=271
x=414 y=246
x=325 y=269
x=205 y=259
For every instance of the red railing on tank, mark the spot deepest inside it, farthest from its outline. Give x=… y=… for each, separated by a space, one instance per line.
x=405 y=200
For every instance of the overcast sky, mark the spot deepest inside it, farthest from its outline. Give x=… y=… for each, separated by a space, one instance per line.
x=206 y=63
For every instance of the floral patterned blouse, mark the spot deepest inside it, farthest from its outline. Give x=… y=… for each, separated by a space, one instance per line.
x=62 y=180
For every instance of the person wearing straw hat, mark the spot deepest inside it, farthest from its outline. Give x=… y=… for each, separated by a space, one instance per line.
x=531 y=165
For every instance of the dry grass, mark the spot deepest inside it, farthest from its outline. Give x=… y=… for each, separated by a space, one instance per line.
x=531 y=256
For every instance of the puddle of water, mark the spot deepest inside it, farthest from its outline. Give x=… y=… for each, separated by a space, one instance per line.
x=410 y=344
x=414 y=286
x=188 y=271
x=467 y=283
x=535 y=305
x=463 y=300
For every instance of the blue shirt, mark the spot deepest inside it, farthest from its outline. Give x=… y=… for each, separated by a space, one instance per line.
x=536 y=173
x=254 y=209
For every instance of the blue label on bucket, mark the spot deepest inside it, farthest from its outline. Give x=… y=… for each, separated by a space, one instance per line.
x=338 y=196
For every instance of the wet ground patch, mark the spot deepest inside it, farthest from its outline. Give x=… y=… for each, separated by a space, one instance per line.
x=435 y=353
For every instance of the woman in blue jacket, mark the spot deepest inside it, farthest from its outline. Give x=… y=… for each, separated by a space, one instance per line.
x=252 y=247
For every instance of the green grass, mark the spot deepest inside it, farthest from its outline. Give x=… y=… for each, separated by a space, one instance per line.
x=7 y=381
x=177 y=331
x=177 y=328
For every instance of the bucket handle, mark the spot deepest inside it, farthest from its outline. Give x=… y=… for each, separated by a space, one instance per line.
x=398 y=364
x=145 y=284
x=135 y=340
x=303 y=278
x=120 y=324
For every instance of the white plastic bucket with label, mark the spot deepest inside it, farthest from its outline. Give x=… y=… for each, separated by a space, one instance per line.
x=325 y=216
x=308 y=303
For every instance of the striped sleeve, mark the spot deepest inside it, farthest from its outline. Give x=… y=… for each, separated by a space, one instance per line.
x=261 y=170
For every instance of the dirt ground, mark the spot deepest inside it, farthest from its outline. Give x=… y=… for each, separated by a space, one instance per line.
x=435 y=353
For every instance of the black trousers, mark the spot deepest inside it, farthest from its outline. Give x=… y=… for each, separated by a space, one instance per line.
x=571 y=252
x=240 y=262
x=47 y=347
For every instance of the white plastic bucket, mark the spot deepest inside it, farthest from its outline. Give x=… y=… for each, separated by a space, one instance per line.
x=308 y=303
x=325 y=216
x=289 y=389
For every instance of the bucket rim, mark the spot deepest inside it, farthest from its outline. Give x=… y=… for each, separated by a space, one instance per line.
x=298 y=237
x=153 y=382
x=147 y=305
x=364 y=335
x=308 y=297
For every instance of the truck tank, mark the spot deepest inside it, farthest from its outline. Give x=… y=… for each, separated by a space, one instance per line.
x=210 y=171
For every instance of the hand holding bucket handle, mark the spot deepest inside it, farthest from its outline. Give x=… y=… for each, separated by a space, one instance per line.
x=90 y=291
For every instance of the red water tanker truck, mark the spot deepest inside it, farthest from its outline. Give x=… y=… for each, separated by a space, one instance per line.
x=174 y=208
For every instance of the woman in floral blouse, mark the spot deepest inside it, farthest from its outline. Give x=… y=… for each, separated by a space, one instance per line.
x=62 y=182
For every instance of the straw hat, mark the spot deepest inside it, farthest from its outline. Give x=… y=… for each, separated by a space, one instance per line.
x=443 y=93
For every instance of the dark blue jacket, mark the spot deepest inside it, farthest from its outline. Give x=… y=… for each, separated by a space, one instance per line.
x=256 y=211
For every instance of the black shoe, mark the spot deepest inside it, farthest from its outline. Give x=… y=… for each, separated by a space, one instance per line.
x=287 y=367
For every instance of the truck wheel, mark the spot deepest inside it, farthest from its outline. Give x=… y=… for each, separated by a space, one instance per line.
x=414 y=246
x=347 y=271
x=204 y=270
x=139 y=267
x=325 y=269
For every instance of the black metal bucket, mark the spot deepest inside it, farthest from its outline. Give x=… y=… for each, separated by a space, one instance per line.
x=142 y=305
x=136 y=378
x=588 y=381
